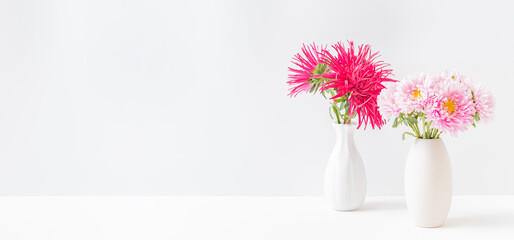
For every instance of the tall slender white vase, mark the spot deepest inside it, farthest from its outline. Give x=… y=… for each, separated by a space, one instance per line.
x=345 y=176
x=428 y=182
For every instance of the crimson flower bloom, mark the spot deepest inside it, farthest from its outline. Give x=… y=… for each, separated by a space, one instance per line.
x=357 y=76
x=307 y=63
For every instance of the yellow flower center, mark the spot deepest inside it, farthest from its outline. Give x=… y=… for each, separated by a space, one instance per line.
x=416 y=93
x=450 y=106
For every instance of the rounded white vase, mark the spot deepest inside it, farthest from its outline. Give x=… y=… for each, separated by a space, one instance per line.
x=345 y=176
x=428 y=182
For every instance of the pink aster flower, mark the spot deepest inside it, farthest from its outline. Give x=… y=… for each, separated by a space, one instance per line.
x=387 y=104
x=307 y=61
x=484 y=102
x=416 y=93
x=358 y=74
x=453 y=109
x=456 y=77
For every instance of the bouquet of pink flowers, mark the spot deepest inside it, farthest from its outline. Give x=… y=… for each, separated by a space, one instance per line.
x=449 y=103
x=351 y=79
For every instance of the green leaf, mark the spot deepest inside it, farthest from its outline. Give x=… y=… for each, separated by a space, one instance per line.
x=403 y=135
x=395 y=123
x=412 y=120
x=477 y=118
x=312 y=88
x=336 y=112
x=317 y=87
x=320 y=69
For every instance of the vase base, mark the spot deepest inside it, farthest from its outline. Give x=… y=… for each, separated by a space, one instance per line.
x=431 y=225
x=345 y=210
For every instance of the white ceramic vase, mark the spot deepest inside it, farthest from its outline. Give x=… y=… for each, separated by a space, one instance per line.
x=428 y=182
x=345 y=176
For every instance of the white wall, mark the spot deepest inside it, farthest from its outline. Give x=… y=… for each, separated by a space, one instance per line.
x=170 y=98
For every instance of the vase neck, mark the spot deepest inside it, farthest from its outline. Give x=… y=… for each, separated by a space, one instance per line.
x=344 y=132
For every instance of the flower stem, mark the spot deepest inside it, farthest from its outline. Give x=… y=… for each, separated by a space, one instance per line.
x=417 y=129
x=342 y=117
x=424 y=135
x=414 y=128
x=337 y=113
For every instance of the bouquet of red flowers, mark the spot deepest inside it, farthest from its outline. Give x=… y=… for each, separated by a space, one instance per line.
x=351 y=79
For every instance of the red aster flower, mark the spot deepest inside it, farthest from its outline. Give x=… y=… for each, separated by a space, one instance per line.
x=300 y=78
x=357 y=77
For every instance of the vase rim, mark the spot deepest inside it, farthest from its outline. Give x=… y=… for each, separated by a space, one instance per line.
x=345 y=124
x=428 y=139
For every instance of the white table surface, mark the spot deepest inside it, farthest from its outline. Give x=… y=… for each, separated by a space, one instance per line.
x=92 y=218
